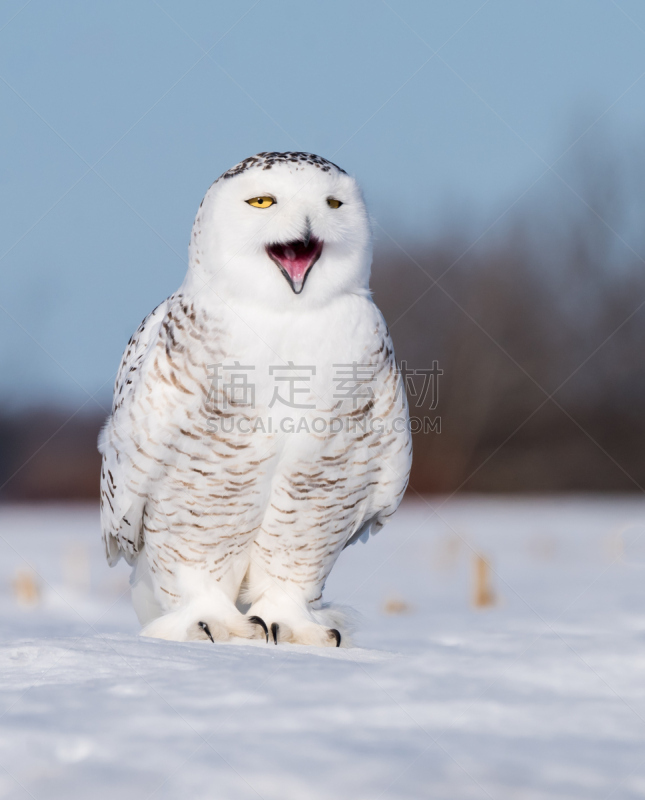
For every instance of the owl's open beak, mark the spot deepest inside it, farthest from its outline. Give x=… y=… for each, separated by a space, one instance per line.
x=296 y=259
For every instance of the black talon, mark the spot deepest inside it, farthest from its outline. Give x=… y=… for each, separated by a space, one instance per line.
x=207 y=630
x=274 y=631
x=259 y=621
x=336 y=635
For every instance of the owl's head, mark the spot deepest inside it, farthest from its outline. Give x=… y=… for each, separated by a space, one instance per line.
x=283 y=228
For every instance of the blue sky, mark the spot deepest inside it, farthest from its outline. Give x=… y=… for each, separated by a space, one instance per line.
x=117 y=116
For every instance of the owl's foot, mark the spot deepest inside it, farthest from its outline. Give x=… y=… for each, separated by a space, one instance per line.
x=325 y=637
x=255 y=620
x=207 y=630
x=293 y=618
x=190 y=624
x=259 y=621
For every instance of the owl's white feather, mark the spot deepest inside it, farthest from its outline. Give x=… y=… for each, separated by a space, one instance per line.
x=216 y=503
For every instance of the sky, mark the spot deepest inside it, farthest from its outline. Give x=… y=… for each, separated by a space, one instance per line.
x=117 y=116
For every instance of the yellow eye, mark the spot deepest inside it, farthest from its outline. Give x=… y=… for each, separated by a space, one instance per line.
x=333 y=203
x=261 y=202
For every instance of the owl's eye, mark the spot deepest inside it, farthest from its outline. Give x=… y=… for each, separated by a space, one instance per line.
x=333 y=203
x=261 y=202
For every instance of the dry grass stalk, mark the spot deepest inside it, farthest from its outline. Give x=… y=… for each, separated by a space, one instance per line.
x=483 y=594
x=395 y=605
x=26 y=588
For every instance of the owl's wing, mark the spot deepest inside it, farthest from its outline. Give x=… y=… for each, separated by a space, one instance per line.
x=370 y=526
x=394 y=452
x=127 y=468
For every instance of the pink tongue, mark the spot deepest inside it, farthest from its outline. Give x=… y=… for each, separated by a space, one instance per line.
x=296 y=258
x=295 y=263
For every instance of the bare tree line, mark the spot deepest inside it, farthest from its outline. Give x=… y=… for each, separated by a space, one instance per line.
x=553 y=306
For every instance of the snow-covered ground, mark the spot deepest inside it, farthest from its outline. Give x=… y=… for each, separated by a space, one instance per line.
x=539 y=695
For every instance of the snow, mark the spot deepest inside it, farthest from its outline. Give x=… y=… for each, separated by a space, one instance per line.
x=540 y=695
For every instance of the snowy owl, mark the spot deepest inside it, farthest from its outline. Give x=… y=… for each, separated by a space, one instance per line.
x=259 y=423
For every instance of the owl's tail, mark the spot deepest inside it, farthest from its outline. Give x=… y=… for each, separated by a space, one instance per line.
x=143 y=597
